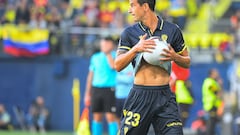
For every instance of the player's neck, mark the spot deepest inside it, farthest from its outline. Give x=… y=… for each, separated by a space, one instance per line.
x=151 y=21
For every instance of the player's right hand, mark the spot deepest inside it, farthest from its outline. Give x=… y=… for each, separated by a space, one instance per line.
x=145 y=45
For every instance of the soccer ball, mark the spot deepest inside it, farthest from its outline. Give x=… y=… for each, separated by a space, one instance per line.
x=153 y=58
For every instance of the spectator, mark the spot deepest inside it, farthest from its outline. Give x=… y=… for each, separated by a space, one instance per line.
x=211 y=90
x=9 y=15
x=68 y=13
x=182 y=87
x=38 y=18
x=234 y=80
x=2 y=8
x=235 y=29
x=234 y=19
x=22 y=13
x=178 y=12
x=199 y=125
x=118 y=19
x=92 y=12
x=53 y=18
x=38 y=115
x=40 y=3
x=4 y=118
x=105 y=16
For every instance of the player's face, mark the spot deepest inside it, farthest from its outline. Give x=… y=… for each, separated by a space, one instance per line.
x=136 y=10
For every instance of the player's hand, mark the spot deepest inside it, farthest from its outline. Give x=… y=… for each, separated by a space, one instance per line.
x=169 y=54
x=87 y=100
x=145 y=45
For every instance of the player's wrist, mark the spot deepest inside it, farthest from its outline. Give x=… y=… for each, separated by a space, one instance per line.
x=134 y=50
x=175 y=58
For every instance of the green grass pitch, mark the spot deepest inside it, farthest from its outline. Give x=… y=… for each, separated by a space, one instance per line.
x=29 y=133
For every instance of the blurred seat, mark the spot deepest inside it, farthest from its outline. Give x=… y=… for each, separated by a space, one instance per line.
x=165 y=4
x=205 y=40
x=124 y=6
x=217 y=39
x=193 y=40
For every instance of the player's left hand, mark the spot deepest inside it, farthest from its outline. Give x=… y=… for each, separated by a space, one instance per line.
x=169 y=54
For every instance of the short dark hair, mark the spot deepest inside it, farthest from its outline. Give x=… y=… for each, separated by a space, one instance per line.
x=151 y=3
x=108 y=38
x=211 y=71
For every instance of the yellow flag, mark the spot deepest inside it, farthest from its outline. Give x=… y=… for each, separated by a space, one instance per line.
x=83 y=127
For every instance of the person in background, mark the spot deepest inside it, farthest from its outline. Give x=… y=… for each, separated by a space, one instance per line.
x=211 y=97
x=38 y=115
x=5 y=118
x=100 y=87
x=181 y=85
x=178 y=12
x=123 y=87
x=199 y=125
x=23 y=13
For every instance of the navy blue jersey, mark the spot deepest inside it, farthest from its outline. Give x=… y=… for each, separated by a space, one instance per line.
x=167 y=31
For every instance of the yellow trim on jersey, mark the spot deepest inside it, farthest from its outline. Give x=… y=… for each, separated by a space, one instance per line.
x=182 y=49
x=161 y=26
x=124 y=47
x=142 y=26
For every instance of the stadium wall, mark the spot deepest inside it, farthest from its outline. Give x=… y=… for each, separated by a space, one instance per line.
x=21 y=80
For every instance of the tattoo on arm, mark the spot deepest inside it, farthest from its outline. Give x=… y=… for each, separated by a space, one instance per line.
x=119 y=52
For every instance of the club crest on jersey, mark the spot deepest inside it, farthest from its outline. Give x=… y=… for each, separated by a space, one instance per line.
x=140 y=37
x=164 y=37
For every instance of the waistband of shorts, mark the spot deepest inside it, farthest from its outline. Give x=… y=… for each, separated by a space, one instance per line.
x=102 y=88
x=161 y=87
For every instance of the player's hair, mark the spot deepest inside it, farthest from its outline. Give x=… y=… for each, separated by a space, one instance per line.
x=151 y=3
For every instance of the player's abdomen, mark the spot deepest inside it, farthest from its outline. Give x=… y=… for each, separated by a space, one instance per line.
x=149 y=75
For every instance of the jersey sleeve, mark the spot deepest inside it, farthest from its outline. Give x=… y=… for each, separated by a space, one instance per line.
x=178 y=41
x=124 y=42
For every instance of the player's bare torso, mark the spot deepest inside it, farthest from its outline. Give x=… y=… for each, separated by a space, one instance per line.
x=149 y=75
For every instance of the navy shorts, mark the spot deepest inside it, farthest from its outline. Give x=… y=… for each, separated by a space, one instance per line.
x=154 y=105
x=103 y=100
x=119 y=104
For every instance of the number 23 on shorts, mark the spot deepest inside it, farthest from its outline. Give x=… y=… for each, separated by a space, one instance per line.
x=132 y=119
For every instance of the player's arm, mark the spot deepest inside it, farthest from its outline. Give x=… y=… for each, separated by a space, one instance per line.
x=183 y=59
x=87 y=97
x=124 y=57
x=177 y=51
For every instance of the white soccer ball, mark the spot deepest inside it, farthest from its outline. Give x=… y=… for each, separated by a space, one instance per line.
x=153 y=57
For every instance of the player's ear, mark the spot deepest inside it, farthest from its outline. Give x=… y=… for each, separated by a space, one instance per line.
x=145 y=6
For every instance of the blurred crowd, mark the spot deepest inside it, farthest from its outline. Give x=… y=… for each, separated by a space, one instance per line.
x=91 y=13
x=63 y=18
x=59 y=16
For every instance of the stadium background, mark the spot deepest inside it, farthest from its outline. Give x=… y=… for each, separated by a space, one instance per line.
x=73 y=38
